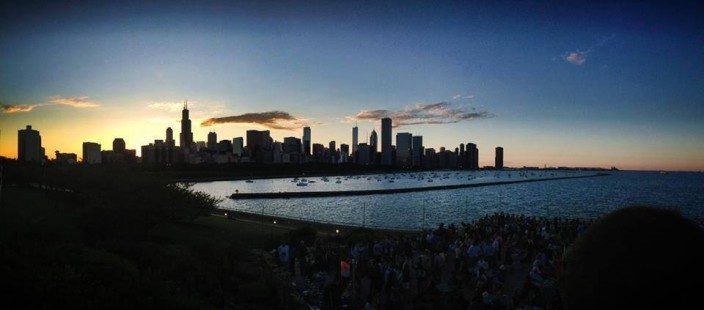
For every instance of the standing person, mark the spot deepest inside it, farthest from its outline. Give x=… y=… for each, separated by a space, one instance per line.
x=345 y=272
x=283 y=253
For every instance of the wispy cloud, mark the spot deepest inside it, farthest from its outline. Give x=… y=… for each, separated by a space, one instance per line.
x=576 y=58
x=74 y=102
x=16 y=108
x=579 y=57
x=458 y=97
x=272 y=119
x=424 y=113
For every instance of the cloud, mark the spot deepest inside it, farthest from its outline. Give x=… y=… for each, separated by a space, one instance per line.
x=14 y=108
x=578 y=57
x=458 y=97
x=75 y=102
x=272 y=119
x=423 y=113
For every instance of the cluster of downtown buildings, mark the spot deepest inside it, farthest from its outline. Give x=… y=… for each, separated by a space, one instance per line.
x=261 y=148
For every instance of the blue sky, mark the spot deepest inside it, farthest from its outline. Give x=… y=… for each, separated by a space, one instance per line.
x=592 y=84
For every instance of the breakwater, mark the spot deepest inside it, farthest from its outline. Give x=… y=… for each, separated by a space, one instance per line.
x=305 y=194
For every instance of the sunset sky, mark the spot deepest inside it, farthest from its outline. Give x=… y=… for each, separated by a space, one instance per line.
x=576 y=84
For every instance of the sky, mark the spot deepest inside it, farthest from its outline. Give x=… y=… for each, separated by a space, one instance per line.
x=568 y=84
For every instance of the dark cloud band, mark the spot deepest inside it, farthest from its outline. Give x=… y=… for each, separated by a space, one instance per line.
x=271 y=119
x=430 y=113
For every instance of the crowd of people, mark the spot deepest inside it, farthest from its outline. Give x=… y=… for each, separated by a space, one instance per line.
x=499 y=261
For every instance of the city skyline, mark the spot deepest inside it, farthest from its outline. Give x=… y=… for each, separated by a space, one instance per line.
x=611 y=85
x=408 y=151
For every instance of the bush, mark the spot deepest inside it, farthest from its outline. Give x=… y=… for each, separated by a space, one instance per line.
x=636 y=258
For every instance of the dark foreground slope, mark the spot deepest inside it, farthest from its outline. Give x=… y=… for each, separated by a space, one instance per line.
x=114 y=241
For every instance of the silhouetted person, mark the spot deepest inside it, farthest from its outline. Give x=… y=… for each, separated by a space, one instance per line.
x=636 y=258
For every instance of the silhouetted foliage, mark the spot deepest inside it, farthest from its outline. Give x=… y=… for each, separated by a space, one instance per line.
x=110 y=237
x=636 y=258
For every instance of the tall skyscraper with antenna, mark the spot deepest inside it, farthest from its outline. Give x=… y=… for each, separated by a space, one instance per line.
x=186 y=136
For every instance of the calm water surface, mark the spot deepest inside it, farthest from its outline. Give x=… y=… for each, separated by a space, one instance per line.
x=574 y=198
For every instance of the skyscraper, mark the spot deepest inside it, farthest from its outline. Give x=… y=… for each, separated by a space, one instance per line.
x=333 y=151
x=292 y=145
x=118 y=145
x=363 y=156
x=386 y=156
x=170 y=137
x=238 y=146
x=212 y=141
x=344 y=153
x=472 y=156
x=306 y=141
x=499 y=159
x=186 y=136
x=91 y=153
x=119 y=153
x=355 y=133
x=29 y=145
x=403 y=148
x=374 y=141
x=318 y=152
x=417 y=150
x=259 y=145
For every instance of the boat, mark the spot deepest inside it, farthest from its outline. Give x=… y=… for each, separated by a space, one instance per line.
x=249 y=181
x=301 y=184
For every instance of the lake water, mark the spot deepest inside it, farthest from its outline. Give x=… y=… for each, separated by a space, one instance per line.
x=573 y=198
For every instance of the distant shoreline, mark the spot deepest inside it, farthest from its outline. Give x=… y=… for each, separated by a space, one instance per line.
x=304 y=194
